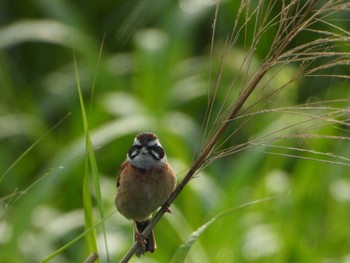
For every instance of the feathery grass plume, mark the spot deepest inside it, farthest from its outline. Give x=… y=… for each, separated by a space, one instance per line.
x=249 y=88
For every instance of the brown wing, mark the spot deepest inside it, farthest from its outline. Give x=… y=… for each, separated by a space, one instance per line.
x=119 y=173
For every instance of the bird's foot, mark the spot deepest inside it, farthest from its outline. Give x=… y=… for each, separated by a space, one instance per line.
x=166 y=208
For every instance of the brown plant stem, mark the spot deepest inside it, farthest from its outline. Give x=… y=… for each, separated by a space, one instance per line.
x=92 y=258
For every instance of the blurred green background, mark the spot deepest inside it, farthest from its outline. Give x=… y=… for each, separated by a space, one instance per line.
x=154 y=75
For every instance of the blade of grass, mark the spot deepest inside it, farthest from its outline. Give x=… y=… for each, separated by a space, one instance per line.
x=88 y=212
x=87 y=202
x=94 y=170
x=31 y=147
x=70 y=243
x=182 y=252
x=91 y=155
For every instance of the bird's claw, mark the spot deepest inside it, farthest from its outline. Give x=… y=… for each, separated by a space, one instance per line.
x=166 y=208
x=140 y=239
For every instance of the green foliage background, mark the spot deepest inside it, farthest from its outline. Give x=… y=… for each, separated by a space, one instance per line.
x=153 y=75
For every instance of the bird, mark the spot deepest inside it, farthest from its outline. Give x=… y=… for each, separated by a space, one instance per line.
x=144 y=182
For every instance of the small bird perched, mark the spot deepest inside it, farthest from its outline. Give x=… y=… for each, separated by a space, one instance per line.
x=144 y=182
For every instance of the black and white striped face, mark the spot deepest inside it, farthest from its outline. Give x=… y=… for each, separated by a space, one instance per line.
x=146 y=151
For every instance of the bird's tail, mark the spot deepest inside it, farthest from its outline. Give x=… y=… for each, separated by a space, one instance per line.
x=147 y=243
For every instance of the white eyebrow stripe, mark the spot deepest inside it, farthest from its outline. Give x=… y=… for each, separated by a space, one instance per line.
x=137 y=142
x=154 y=143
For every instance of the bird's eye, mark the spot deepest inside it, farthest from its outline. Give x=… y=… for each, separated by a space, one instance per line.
x=156 y=151
x=134 y=151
